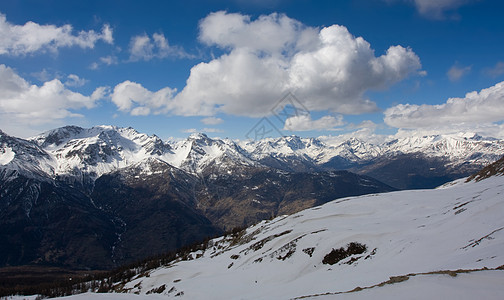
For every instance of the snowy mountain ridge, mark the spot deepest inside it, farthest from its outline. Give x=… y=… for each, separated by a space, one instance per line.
x=99 y=150
x=458 y=147
x=21 y=156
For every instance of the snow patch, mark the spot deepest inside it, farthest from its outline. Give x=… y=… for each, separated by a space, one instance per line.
x=6 y=155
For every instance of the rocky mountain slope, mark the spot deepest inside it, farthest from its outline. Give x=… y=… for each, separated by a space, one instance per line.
x=120 y=196
x=446 y=242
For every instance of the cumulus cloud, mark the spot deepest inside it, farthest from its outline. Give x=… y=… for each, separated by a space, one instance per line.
x=328 y=68
x=22 y=103
x=32 y=37
x=212 y=121
x=143 y=47
x=263 y=59
x=485 y=106
x=456 y=72
x=305 y=123
x=133 y=98
x=272 y=33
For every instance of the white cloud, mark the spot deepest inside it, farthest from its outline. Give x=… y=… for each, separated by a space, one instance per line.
x=437 y=9
x=272 y=33
x=327 y=69
x=134 y=98
x=495 y=71
x=22 y=104
x=305 y=123
x=75 y=81
x=337 y=74
x=367 y=124
x=239 y=83
x=484 y=107
x=142 y=47
x=32 y=37
x=212 y=121
x=456 y=72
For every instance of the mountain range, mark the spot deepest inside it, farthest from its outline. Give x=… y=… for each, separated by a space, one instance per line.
x=87 y=153
x=102 y=196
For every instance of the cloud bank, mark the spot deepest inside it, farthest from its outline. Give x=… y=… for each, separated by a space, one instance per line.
x=327 y=68
x=475 y=108
x=305 y=123
x=31 y=37
x=22 y=103
x=138 y=101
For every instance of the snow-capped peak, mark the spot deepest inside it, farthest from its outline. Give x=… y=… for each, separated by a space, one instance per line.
x=25 y=157
x=199 y=151
x=102 y=149
x=99 y=149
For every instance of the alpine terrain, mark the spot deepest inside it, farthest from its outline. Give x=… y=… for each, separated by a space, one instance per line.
x=100 y=197
x=418 y=244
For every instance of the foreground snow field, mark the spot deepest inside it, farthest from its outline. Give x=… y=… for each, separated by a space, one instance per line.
x=483 y=285
x=426 y=234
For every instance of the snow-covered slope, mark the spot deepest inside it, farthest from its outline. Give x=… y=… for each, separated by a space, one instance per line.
x=103 y=149
x=459 y=148
x=24 y=157
x=198 y=152
x=408 y=235
x=288 y=146
x=99 y=150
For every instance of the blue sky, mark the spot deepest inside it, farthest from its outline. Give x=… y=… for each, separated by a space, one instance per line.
x=364 y=68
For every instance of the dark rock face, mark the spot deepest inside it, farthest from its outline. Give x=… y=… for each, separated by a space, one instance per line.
x=235 y=200
x=495 y=169
x=52 y=224
x=156 y=209
x=414 y=171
